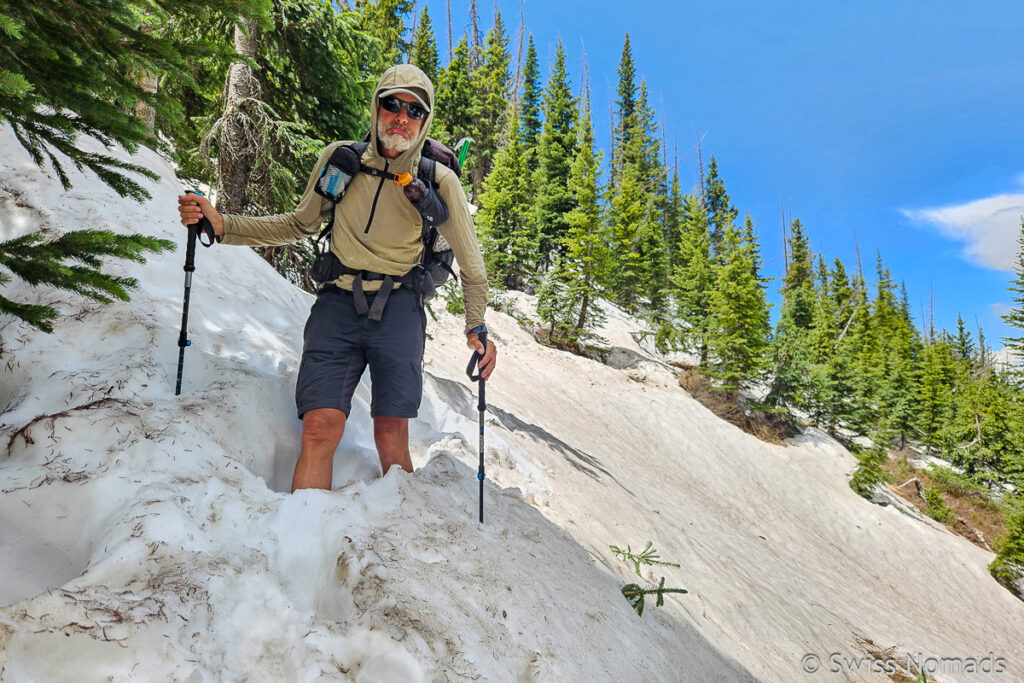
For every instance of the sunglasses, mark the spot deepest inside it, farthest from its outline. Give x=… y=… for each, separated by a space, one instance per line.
x=395 y=105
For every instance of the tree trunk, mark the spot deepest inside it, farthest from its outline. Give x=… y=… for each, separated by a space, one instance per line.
x=238 y=144
x=148 y=81
x=581 y=322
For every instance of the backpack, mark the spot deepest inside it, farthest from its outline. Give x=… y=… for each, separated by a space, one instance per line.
x=437 y=255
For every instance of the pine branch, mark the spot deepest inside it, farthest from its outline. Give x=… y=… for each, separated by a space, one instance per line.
x=647 y=556
x=37 y=316
x=72 y=262
x=634 y=594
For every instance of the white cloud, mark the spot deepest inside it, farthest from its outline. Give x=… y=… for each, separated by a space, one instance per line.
x=988 y=227
x=1000 y=309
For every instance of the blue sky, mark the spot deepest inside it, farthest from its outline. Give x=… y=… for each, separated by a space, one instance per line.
x=897 y=126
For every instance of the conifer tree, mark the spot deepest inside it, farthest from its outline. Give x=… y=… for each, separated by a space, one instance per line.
x=819 y=394
x=554 y=305
x=869 y=473
x=302 y=85
x=963 y=346
x=638 y=243
x=73 y=69
x=423 y=52
x=749 y=236
x=800 y=273
x=556 y=148
x=673 y=220
x=242 y=129
x=983 y=436
x=717 y=204
x=1008 y=566
x=297 y=83
x=455 y=96
x=1015 y=317
x=648 y=160
x=568 y=302
x=791 y=346
x=384 y=20
x=508 y=235
x=530 y=109
x=895 y=357
x=739 y=314
x=649 y=150
x=492 y=85
x=858 y=350
x=933 y=391
x=693 y=278
x=637 y=200
x=625 y=102
x=828 y=388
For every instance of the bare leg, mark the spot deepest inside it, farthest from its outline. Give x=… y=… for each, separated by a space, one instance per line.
x=322 y=429
x=392 y=437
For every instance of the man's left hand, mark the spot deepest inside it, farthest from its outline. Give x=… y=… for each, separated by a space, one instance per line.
x=486 y=365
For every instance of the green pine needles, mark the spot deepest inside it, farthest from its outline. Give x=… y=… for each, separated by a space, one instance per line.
x=647 y=556
x=71 y=262
x=1008 y=566
x=70 y=69
x=869 y=474
x=1015 y=316
x=634 y=592
x=936 y=508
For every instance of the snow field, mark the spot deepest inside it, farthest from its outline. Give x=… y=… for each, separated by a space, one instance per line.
x=149 y=537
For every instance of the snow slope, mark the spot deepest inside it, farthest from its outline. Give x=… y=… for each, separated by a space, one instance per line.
x=149 y=537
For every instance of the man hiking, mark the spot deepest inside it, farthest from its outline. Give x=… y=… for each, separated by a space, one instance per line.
x=376 y=233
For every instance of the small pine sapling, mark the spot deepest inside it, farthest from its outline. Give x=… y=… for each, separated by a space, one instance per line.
x=1008 y=566
x=936 y=506
x=869 y=473
x=634 y=592
x=646 y=556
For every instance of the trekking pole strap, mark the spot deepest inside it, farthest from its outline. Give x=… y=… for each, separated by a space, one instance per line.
x=203 y=227
x=474 y=361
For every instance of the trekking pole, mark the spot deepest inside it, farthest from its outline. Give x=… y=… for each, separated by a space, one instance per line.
x=481 y=406
x=203 y=226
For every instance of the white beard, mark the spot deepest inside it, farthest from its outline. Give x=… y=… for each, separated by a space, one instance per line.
x=393 y=141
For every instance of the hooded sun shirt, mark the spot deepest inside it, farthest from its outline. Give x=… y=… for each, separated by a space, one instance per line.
x=375 y=227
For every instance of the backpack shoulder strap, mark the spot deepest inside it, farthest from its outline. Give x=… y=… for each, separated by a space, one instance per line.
x=427 y=170
x=359 y=148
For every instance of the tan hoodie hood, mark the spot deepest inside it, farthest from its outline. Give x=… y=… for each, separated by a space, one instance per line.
x=411 y=78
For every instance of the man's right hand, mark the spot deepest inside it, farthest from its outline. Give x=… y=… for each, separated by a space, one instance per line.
x=193 y=207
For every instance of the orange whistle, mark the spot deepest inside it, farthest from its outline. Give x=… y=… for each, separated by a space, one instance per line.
x=403 y=179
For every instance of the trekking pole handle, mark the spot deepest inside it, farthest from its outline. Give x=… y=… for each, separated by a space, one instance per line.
x=476 y=358
x=202 y=227
x=189 y=268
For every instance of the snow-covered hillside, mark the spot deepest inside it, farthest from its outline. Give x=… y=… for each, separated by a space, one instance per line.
x=145 y=536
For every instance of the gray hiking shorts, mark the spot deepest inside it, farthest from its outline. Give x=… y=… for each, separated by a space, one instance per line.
x=338 y=344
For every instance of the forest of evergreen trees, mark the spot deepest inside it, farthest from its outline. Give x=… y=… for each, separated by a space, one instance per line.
x=244 y=95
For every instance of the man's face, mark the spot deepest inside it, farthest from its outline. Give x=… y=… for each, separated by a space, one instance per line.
x=396 y=131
